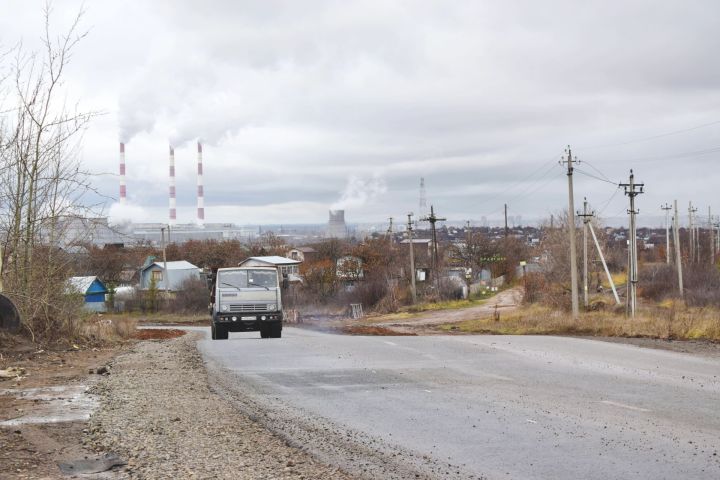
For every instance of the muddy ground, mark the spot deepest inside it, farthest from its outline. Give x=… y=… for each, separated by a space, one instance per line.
x=31 y=438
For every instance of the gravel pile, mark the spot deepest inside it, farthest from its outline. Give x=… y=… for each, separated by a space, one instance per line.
x=158 y=413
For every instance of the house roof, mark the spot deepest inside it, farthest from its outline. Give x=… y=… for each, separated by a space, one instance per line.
x=417 y=240
x=306 y=249
x=176 y=265
x=272 y=260
x=82 y=284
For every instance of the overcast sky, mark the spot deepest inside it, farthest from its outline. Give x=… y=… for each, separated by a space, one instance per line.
x=307 y=105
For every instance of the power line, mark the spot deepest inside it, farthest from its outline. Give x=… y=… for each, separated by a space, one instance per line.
x=595 y=176
x=654 y=137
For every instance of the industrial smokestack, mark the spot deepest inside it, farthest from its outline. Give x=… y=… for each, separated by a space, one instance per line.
x=173 y=215
x=200 y=192
x=123 y=191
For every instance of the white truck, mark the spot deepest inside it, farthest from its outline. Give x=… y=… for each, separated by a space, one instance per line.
x=246 y=299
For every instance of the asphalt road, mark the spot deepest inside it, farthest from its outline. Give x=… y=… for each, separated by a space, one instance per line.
x=491 y=406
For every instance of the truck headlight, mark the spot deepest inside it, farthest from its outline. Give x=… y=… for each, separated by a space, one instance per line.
x=224 y=308
x=272 y=307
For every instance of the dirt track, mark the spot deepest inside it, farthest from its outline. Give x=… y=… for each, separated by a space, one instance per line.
x=505 y=301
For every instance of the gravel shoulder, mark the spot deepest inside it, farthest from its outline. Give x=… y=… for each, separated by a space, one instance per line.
x=158 y=412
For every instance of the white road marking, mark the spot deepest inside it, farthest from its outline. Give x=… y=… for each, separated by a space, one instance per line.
x=530 y=421
x=428 y=391
x=623 y=405
x=391 y=343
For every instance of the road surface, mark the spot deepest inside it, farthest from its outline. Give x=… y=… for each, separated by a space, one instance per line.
x=518 y=407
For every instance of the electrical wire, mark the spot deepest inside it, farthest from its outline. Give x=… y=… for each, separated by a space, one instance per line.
x=594 y=176
x=585 y=162
x=654 y=137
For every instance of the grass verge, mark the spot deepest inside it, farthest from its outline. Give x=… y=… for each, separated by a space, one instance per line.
x=662 y=323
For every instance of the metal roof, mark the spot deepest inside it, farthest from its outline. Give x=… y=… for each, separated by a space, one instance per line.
x=81 y=284
x=176 y=265
x=273 y=260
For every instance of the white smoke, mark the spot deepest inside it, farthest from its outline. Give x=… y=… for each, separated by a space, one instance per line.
x=123 y=213
x=359 y=192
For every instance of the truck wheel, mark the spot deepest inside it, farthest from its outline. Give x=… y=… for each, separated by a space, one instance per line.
x=213 y=331
x=221 y=332
x=276 y=331
x=264 y=331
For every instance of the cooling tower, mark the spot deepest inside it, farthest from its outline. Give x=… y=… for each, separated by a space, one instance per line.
x=336 y=224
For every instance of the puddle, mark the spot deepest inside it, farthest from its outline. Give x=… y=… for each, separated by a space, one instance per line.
x=63 y=403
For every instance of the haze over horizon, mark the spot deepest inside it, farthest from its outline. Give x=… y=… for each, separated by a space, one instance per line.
x=307 y=106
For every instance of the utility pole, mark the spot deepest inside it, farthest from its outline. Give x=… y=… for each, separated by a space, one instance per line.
x=712 y=235
x=571 y=230
x=678 y=257
x=412 y=258
x=432 y=218
x=632 y=190
x=586 y=216
x=389 y=233
x=667 y=209
x=506 y=224
x=691 y=228
x=167 y=282
x=604 y=263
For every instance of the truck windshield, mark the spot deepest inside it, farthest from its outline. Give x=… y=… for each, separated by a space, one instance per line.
x=248 y=279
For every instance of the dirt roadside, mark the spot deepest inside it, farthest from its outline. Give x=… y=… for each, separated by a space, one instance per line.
x=43 y=411
x=151 y=405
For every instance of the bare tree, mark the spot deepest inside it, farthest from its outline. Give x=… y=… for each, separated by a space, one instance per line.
x=41 y=179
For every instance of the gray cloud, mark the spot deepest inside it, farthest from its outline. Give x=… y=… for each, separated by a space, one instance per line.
x=295 y=99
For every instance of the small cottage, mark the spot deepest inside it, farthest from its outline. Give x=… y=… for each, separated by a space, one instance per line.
x=172 y=279
x=93 y=290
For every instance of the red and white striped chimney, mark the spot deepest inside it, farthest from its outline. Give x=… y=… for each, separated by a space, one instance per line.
x=123 y=191
x=200 y=192
x=173 y=206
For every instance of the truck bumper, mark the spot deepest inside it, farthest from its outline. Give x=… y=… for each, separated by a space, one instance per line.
x=248 y=322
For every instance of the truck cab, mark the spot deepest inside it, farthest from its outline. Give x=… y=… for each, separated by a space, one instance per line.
x=246 y=299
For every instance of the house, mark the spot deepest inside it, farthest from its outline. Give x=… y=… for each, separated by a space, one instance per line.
x=286 y=266
x=302 y=254
x=93 y=291
x=172 y=279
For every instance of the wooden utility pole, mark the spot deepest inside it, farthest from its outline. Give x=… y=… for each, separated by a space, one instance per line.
x=632 y=190
x=678 y=257
x=412 y=258
x=586 y=216
x=571 y=230
x=667 y=209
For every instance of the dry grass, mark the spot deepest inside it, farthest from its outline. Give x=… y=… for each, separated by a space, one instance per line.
x=105 y=329
x=162 y=318
x=663 y=323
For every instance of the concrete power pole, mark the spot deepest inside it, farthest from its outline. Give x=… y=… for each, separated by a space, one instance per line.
x=412 y=258
x=432 y=218
x=586 y=216
x=389 y=233
x=506 y=224
x=667 y=209
x=712 y=235
x=678 y=257
x=571 y=231
x=632 y=190
x=167 y=277
x=691 y=228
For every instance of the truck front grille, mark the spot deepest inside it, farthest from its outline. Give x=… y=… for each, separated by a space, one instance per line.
x=247 y=307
